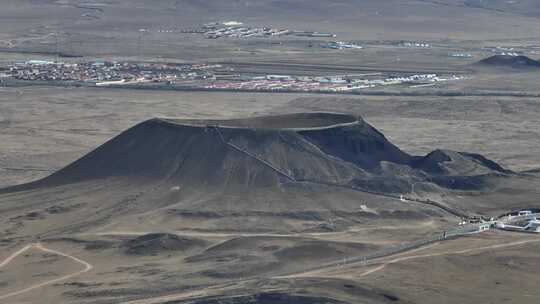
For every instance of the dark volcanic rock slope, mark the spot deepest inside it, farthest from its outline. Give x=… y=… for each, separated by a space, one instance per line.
x=325 y=148
x=289 y=169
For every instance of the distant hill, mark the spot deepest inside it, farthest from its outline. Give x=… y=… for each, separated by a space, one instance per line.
x=517 y=62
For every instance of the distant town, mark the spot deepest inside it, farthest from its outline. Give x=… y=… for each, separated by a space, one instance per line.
x=199 y=77
x=236 y=29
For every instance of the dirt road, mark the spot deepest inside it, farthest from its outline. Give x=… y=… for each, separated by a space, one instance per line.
x=87 y=267
x=353 y=229
x=15 y=254
x=381 y=264
x=406 y=258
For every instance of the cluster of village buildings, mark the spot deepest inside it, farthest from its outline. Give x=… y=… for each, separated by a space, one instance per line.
x=103 y=71
x=199 y=76
x=344 y=83
x=236 y=29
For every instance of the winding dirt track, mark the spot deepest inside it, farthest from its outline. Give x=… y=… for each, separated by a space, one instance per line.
x=15 y=254
x=87 y=267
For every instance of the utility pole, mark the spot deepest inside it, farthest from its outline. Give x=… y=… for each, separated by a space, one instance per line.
x=57 y=36
x=57 y=51
x=139 y=43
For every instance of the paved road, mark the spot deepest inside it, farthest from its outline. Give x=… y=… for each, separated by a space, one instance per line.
x=87 y=267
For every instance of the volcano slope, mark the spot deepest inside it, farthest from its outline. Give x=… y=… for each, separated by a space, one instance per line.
x=173 y=205
x=285 y=173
